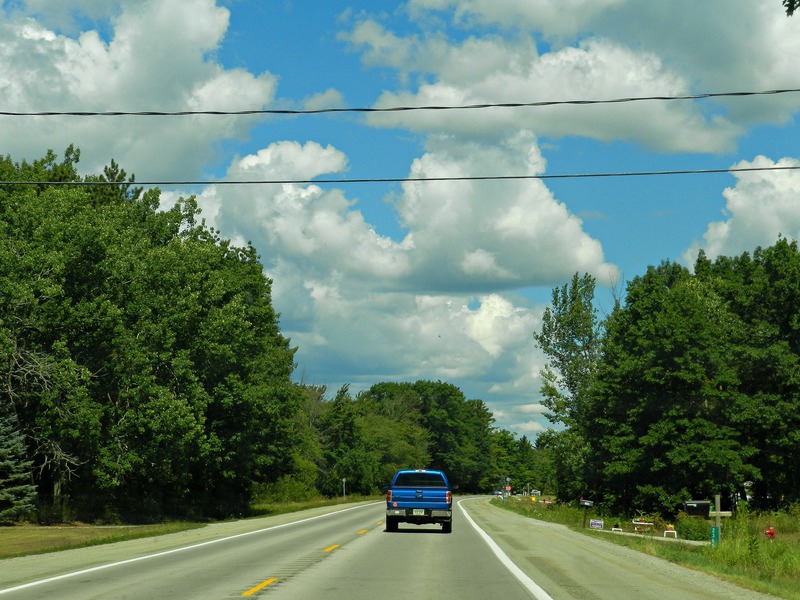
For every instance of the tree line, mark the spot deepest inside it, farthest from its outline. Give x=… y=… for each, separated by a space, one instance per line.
x=687 y=388
x=358 y=442
x=144 y=374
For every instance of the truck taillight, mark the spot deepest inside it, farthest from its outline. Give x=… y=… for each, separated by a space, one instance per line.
x=448 y=497
x=389 y=496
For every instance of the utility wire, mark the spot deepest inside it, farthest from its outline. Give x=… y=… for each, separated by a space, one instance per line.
x=275 y=111
x=406 y=179
x=403 y=109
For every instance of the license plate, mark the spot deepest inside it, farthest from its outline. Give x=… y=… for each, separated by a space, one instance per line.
x=418 y=512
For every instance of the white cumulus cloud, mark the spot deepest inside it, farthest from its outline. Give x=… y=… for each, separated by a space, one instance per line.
x=760 y=207
x=157 y=58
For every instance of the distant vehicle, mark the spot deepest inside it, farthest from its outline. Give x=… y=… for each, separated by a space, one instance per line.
x=419 y=496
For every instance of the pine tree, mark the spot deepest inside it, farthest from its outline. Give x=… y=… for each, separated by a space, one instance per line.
x=17 y=493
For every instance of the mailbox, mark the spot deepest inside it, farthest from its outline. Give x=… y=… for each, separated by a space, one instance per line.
x=697 y=508
x=587 y=503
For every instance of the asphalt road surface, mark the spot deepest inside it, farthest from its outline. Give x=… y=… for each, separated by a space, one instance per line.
x=344 y=553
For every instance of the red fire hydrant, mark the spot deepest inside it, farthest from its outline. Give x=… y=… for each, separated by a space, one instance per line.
x=770 y=533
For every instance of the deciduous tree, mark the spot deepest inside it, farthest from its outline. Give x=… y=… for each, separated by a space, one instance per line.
x=570 y=339
x=665 y=396
x=142 y=350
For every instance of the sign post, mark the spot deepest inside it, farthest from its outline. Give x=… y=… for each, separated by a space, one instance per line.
x=586 y=504
x=717 y=514
x=714 y=536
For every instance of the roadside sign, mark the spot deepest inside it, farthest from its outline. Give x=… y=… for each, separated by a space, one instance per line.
x=714 y=537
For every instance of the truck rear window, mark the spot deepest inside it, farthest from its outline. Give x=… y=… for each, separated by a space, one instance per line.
x=419 y=480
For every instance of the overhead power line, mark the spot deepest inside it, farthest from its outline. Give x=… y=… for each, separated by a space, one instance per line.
x=164 y=183
x=277 y=111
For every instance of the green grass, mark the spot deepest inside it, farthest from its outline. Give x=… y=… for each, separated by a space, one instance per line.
x=25 y=538
x=268 y=509
x=744 y=555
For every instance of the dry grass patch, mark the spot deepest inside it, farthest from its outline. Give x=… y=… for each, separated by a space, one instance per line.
x=22 y=539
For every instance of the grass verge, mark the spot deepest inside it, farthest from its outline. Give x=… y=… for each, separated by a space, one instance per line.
x=744 y=556
x=25 y=538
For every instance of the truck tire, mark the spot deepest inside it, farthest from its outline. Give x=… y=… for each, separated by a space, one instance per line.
x=391 y=524
x=447 y=527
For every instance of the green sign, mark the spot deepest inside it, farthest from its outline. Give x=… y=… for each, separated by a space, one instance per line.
x=714 y=537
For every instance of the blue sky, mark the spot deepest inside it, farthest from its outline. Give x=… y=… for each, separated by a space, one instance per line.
x=443 y=281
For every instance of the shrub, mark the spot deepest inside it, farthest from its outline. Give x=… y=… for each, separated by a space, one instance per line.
x=692 y=528
x=286 y=489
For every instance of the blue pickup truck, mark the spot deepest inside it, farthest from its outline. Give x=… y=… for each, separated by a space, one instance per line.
x=419 y=496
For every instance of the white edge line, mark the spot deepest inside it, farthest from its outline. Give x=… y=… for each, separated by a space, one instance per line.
x=173 y=551
x=526 y=581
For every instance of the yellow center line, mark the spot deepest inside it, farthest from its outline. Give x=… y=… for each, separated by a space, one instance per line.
x=329 y=548
x=260 y=586
x=363 y=531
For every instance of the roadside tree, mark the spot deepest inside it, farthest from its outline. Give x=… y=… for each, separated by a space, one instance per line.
x=17 y=492
x=666 y=395
x=570 y=339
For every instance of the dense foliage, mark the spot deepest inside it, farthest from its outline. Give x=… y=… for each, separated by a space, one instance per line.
x=140 y=351
x=145 y=376
x=357 y=443
x=695 y=389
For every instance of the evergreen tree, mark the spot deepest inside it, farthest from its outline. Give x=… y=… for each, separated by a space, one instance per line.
x=17 y=492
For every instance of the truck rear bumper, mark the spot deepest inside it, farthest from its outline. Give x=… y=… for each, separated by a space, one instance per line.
x=424 y=515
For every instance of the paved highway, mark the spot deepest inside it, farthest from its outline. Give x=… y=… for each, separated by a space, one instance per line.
x=340 y=553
